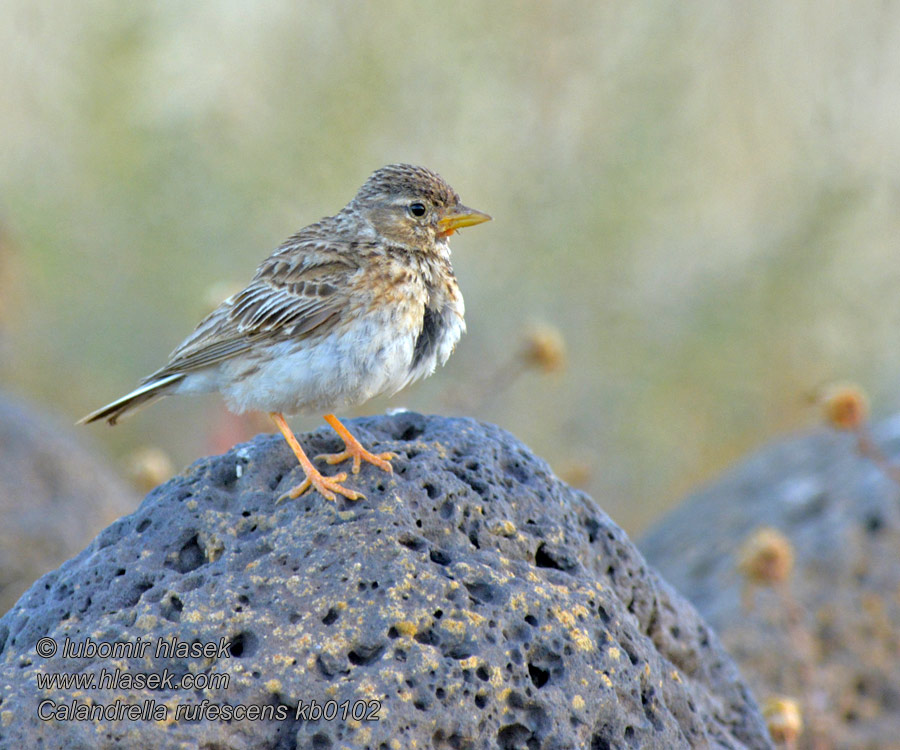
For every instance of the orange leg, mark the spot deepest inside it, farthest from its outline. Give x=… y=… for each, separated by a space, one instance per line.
x=326 y=486
x=353 y=449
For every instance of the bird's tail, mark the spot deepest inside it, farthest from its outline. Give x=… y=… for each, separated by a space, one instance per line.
x=137 y=399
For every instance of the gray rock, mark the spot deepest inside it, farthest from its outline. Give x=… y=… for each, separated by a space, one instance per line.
x=471 y=601
x=830 y=638
x=55 y=495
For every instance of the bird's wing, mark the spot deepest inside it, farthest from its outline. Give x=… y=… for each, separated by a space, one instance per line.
x=299 y=291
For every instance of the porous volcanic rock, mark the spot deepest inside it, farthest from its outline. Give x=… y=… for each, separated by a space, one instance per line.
x=472 y=600
x=829 y=637
x=55 y=495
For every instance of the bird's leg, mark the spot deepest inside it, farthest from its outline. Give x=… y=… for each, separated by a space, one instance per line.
x=353 y=449
x=326 y=486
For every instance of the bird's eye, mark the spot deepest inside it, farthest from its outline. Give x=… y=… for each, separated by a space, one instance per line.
x=417 y=209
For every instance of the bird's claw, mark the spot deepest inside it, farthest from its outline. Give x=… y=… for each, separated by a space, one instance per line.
x=325 y=486
x=359 y=454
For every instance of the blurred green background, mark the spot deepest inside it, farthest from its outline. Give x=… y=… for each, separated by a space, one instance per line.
x=702 y=197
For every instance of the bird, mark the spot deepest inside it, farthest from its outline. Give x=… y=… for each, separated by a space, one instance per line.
x=357 y=304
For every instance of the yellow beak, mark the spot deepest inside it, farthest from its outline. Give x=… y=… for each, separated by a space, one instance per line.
x=459 y=217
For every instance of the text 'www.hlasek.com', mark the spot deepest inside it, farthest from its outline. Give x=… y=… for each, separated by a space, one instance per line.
x=96 y=666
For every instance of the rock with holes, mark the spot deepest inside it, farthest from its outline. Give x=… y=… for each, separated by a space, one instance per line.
x=827 y=637
x=472 y=600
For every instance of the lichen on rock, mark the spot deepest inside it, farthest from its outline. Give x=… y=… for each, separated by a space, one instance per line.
x=472 y=600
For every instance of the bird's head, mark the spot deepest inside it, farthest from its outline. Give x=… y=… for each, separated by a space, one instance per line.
x=413 y=206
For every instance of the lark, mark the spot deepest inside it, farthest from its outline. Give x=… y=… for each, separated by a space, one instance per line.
x=358 y=304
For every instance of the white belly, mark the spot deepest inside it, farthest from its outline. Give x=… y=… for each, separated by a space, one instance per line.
x=336 y=373
x=340 y=370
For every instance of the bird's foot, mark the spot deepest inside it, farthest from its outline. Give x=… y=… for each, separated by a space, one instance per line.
x=359 y=454
x=325 y=486
x=353 y=449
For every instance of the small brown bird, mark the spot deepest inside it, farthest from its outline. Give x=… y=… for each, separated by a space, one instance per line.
x=357 y=304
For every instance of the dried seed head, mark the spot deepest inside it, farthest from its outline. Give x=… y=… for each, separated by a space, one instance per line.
x=783 y=718
x=545 y=348
x=766 y=558
x=149 y=467
x=575 y=473
x=845 y=406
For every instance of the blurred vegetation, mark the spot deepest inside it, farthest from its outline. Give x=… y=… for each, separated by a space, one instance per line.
x=702 y=197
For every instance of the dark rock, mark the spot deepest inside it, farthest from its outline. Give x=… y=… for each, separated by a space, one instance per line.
x=471 y=601
x=829 y=636
x=55 y=495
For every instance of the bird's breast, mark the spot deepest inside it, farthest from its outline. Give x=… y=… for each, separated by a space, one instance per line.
x=439 y=328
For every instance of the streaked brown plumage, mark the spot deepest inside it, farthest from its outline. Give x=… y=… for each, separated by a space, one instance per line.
x=357 y=304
